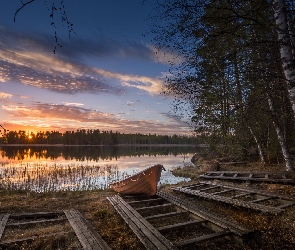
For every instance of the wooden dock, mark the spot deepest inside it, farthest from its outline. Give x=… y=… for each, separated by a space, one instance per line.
x=249 y=198
x=271 y=177
x=87 y=236
x=147 y=234
x=148 y=217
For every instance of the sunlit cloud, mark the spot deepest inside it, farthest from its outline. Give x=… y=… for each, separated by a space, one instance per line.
x=5 y=95
x=130 y=103
x=73 y=104
x=33 y=66
x=67 y=117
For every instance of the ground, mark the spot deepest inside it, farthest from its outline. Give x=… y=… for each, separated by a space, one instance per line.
x=277 y=231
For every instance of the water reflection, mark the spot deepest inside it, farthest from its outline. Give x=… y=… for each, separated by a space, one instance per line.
x=44 y=169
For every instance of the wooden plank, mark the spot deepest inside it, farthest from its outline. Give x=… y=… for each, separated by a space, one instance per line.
x=203 y=238
x=145 y=201
x=87 y=236
x=223 y=192
x=147 y=242
x=234 y=199
x=254 y=191
x=35 y=222
x=229 y=200
x=241 y=195
x=263 y=199
x=154 y=207
x=180 y=225
x=209 y=188
x=3 y=222
x=274 y=177
x=286 y=205
x=147 y=234
x=166 y=215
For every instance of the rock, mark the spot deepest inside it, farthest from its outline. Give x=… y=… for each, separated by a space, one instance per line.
x=194 y=158
x=214 y=166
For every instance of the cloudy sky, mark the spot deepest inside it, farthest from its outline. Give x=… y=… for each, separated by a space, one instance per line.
x=105 y=76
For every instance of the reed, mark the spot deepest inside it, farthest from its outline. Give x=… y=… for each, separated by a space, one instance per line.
x=41 y=177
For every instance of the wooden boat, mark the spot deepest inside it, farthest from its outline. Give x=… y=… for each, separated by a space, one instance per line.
x=144 y=182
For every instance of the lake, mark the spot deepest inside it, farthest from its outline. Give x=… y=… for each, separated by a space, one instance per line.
x=54 y=168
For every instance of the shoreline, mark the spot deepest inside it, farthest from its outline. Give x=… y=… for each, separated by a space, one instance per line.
x=99 y=145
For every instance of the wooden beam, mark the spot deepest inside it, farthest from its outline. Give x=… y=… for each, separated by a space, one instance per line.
x=145 y=201
x=162 y=216
x=181 y=225
x=147 y=234
x=3 y=222
x=203 y=238
x=154 y=207
x=86 y=234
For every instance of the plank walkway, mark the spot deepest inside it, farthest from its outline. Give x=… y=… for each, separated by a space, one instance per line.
x=249 y=198
x=273 y=177
x=85 y=233
x=154 y=237
x=147 y=234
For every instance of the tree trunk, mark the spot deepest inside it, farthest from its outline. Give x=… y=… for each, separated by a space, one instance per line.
x=285 y=41
x=261 y=155
x=282 y=141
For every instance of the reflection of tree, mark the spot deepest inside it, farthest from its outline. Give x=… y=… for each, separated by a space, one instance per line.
x=91 y=153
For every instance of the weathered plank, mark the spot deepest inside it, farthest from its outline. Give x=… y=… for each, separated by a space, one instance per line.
x=148 y=235
x=87 y=236
x=206 y=237
x=145 y=201
x=234 y=200
x=166 y=215
x=154 y=207
x=180 y=225
x=274 y=177
x=3 y=222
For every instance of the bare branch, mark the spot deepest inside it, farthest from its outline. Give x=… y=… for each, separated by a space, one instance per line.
x=23 y=5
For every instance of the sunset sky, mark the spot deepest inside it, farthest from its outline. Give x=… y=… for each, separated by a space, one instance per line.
x=106 y=76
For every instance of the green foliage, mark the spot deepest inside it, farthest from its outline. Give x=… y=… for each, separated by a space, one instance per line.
x=231 y=66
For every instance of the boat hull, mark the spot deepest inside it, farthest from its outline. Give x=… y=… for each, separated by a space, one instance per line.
x=144 y=182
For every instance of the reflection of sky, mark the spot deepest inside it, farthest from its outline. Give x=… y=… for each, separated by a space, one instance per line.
x=51 y=175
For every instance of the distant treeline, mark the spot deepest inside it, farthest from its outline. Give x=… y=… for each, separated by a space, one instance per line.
x=91 y=137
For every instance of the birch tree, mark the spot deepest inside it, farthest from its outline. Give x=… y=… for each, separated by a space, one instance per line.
x=286 y=40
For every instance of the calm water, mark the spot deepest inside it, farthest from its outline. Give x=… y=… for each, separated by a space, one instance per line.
x=42 y=168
